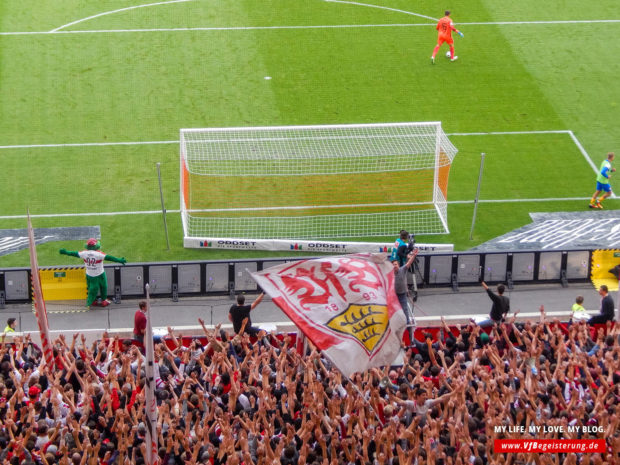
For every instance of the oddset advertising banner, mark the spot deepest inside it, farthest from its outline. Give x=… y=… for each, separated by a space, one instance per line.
x=345 y=305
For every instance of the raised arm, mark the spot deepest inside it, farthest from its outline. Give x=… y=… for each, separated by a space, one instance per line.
x=111 y=258
x=71 y=253
x=411 y=257
x=257 y=301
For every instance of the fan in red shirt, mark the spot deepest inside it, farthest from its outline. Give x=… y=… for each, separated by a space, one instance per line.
x=139 y=326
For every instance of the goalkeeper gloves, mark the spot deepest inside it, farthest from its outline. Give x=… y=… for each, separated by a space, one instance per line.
x=460 y=33
x=63 y=251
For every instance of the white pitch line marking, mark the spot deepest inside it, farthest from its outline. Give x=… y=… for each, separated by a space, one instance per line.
x=158 y=212
x=69 y=215
x=586 y=156
x=326 y=26
x=209 y=29
x=384 y=8
x=453 y=202
x=87 y=144
x=103 y=144
x=526 y=23
x=582 y=150
x=550 y=199
x=508 y=133
x=105 y=13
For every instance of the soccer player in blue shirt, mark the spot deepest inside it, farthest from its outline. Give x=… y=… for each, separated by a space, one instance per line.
x=602 y=182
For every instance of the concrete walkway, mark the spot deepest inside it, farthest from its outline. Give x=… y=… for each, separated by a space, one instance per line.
x=469 y=302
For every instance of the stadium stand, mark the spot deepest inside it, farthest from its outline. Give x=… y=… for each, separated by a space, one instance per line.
x=228 y=399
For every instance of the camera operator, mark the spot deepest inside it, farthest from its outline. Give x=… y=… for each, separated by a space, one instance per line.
x=402 y=290
x=402 y=247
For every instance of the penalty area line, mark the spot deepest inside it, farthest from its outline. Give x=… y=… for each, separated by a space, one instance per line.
x=508 y=133
x=87 y=144
x=309 y=26
x=154 y=142
x=69 y=215
x=549 y=199
x=157 y=212
x=587 y=157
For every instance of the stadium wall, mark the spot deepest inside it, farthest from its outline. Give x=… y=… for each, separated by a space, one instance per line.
x=227 y=277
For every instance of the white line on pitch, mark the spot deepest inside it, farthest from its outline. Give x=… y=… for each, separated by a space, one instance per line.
x=507 y=133
x=87 y=144
x=103 y=144
x=156 y=212
x=325 y=26
x=105 y=13
x=68 y=215
x=384 y=8
x=585 y=155
x=550 y=199
x=209 y=29
x=559 y=21
x=495 y=23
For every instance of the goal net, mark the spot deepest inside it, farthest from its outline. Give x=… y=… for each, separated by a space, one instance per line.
x=314 y=182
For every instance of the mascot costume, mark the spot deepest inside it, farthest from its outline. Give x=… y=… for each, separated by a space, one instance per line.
x=96 y=279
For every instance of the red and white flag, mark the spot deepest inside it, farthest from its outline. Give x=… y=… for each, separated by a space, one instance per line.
x=345 y=305
x=39 y=303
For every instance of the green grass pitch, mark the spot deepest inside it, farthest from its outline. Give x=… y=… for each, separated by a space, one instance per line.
x=84 y=74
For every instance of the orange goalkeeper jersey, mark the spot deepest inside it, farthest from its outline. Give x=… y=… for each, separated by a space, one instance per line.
x=445 y=28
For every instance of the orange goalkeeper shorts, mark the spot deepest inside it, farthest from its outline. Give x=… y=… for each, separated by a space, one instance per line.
x=448 y=39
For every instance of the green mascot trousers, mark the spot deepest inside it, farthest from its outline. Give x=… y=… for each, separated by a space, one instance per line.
x=96 y=285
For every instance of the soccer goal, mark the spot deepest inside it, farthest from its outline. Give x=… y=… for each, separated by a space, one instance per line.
x=265 y=187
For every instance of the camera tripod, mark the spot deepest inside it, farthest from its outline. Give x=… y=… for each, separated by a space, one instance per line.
x=414 y=276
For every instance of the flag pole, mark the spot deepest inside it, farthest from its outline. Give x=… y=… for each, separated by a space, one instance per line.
x=473 y=219
x=150 y=405
x=39 y=303
x=163 y=206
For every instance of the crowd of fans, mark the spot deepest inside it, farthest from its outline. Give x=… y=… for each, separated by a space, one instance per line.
x=230 y=399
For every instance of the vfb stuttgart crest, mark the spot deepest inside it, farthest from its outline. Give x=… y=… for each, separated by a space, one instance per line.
x=367 y=323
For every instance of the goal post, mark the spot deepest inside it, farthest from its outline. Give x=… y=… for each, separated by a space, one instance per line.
x=274 y=187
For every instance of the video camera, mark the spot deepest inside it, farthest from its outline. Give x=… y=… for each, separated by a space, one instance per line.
x=411 y=243
x=407 y=246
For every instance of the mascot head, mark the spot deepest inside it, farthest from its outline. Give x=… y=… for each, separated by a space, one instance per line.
x=93 y=244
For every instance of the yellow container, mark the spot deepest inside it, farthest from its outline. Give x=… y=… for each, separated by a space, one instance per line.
x=602 y=262
x=63 y=283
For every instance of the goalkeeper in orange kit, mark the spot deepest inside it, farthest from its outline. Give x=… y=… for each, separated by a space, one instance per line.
x=445 y=26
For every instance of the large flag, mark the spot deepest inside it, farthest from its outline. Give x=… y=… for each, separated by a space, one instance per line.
x=150 y=405
x=39 y=303
x=345 y=305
